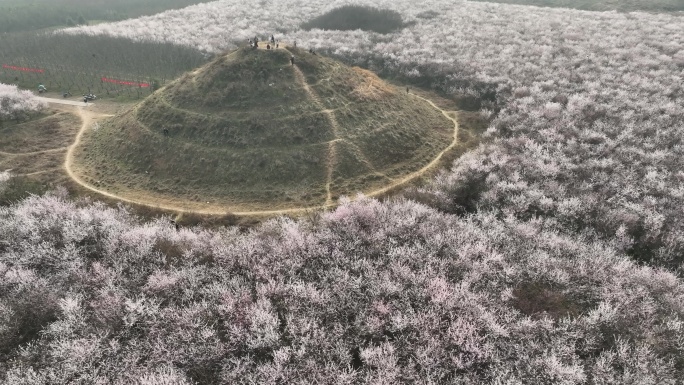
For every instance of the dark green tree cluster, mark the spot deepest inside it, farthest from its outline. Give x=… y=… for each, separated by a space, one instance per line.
x=351 y=17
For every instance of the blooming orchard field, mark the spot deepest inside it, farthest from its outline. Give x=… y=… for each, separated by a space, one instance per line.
x=552 y=254
x=590 y=105
x=372 y=292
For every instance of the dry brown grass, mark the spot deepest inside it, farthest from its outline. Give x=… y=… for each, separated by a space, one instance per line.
x=36 y=148
x=368 y=86
x=53 y=131
x=538 y=299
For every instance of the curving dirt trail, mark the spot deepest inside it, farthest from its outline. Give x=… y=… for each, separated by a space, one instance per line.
x=430 y=165
x=39 y=172
x=87 y=118
x=59 y=149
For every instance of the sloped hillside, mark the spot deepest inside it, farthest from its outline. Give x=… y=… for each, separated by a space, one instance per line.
x=252 y=131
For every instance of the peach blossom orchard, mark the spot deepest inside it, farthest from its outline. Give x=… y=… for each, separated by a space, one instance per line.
x=551 y=254
x=18 y=104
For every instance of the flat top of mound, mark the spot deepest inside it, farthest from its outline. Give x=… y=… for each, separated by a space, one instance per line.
x=252 y=131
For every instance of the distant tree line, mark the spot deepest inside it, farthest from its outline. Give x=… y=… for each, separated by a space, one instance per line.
x=351 y=17
x=78 y=62
x=604 y=5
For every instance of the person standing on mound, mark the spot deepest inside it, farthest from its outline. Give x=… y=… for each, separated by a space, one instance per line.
x=292 y=59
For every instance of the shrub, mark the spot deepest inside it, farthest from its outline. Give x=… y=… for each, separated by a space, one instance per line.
x=16 y=104
x=16 y=188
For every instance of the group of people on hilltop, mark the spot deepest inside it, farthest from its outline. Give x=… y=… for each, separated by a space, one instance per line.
x=254 y=43
x=272 y=44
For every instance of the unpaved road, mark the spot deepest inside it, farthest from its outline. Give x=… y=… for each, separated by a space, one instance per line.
x=66 y=102
x=87 y=117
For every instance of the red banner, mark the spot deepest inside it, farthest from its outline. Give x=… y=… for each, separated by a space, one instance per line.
x=108 y=80
x=9 y=67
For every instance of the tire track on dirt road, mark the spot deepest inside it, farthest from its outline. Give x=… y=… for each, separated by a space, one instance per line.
x=60 y=149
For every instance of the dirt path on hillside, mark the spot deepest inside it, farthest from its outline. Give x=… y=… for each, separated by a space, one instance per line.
x=40 y=172
x=430 y=165
x=59 y=149
x=88 y=117
x=331 y=159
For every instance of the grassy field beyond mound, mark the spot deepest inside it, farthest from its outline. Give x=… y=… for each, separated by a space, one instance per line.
x=604 y=5
x=249 y=131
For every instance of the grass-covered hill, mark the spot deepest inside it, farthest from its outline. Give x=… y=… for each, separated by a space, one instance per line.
x=251 y=131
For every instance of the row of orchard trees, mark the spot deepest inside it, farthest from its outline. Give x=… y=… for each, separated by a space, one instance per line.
x=19 y=15
x=78 y=63
x=17 y=104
